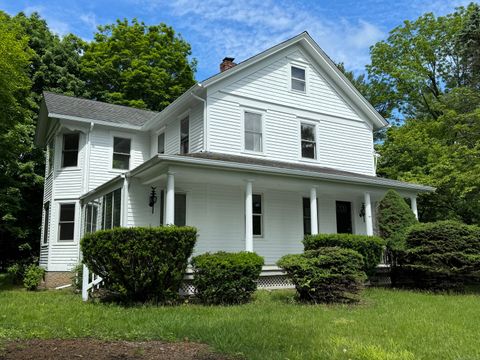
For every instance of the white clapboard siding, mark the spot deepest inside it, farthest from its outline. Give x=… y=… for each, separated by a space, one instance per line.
x=196 y=128
x=63 y=257
x=101 y=153
x=344 y=140
x=43 y=262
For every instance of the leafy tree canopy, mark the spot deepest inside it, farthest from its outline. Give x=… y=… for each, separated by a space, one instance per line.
x=138 y=65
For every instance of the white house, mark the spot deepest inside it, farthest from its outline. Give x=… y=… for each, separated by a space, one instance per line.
x=255 y=157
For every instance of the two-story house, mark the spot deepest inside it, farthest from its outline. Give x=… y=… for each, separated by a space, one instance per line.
x=255 y=157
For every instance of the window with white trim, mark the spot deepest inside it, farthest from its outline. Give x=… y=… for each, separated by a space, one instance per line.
x=184 y=136
x=112 y=203
x=121 y=153
x=46 y=221
x=180 y=214
x=50 y=156
x=70 y=150
x=307 y=218
x=257 y=215
x=66 y=223
x=308 y=141
x=161 y=143
x=298 y=82
x=91 y=216
x=253 y=131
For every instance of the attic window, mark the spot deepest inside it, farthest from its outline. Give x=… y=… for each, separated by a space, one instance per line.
x=298 y=79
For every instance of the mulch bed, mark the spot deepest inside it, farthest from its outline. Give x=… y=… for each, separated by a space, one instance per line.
x=90 y=349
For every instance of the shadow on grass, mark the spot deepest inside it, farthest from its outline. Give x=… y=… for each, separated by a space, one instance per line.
x=6 y=282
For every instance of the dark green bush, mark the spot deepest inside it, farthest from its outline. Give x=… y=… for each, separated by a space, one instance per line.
x=394 y=215
x=370 y=247
x=443 y=255
x=330 y=274
x=16 y=273
x=140 y=264
x=33 y=277
x=226 y=278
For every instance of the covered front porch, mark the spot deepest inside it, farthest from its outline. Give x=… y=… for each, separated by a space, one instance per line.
x=238 y=207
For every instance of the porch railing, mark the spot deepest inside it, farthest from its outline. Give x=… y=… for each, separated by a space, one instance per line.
x=90 y=282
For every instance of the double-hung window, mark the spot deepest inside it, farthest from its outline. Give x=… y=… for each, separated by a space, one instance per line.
x=91 y=215
x=66 y=224
x=257 y=214
x=309 y=143
x=184 y=135
x=253 y=131
x=50 y=156
x=112 y=204
x=307 y=217
x=298 y=82
x=46 y=221
x=70 y=150
x=121 y=153
x=161 y=143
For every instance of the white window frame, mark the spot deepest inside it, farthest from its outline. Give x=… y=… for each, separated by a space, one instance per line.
x=63 y=150
x=75 y=221
x=47 y=210
x=262 y=124
x=180 y=119
x=50 y=158
x=164 y=141
x=122 y=136
x=315 y=126
x=261 y=215
x=291 y=78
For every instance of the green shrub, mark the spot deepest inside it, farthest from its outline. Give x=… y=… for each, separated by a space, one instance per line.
x=394 y=217
x=226 y=278
x=140 y=264
x=33 y=276
x=16 y=272
x=330 y=274
x=370 y=247
x=443 y=255
x=77 y=276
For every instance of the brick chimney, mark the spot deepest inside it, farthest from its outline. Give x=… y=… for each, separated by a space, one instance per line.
x=227 y=63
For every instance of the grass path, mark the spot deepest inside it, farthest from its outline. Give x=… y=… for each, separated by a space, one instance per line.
x=388 y=325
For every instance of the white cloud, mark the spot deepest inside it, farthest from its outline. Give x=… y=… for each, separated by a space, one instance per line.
x=243 y=28
x=90 y=20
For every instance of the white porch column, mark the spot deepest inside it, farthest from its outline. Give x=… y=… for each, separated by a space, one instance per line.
x=413 y=204
x=368 y=214
x=248 y=216
x=124 y=203
x=170 y=200
x=313 y=211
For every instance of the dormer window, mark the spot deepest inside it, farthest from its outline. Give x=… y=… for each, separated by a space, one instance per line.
x=298 y=79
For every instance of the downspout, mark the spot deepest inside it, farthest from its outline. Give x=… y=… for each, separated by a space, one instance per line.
x=205 y=137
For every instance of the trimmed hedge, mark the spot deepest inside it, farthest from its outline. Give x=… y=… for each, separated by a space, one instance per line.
x=370 y=247
x=443 y=255
x=330 y=274
x=394 y=215
x=140 y=264
x=226 y=278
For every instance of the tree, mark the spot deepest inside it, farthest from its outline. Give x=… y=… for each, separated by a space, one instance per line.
x=419 y=61
x=17 y=174
x=138 y=65
x=55 y=64
x=468 y=44
x=442 y=152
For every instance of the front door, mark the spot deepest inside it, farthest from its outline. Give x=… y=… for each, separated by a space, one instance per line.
x=344 y=217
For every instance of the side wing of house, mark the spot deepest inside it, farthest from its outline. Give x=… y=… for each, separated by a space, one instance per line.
x=296 y=103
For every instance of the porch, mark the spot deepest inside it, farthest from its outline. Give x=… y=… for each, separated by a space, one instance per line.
x=257 y=208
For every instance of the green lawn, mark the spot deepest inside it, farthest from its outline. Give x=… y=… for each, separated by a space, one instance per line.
x=387 y=325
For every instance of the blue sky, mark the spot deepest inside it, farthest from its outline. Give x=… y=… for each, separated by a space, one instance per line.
x=241 y=28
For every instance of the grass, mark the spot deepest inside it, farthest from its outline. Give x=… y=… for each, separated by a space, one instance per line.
x=388 y=325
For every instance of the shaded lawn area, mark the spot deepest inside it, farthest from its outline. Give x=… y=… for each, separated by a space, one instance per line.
x=388 y=325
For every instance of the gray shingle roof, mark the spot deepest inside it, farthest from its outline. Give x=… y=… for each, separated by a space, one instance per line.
x=96 y=110
x=306 y=167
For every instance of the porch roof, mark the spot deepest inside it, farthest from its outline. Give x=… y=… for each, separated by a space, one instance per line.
x=264 y=166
